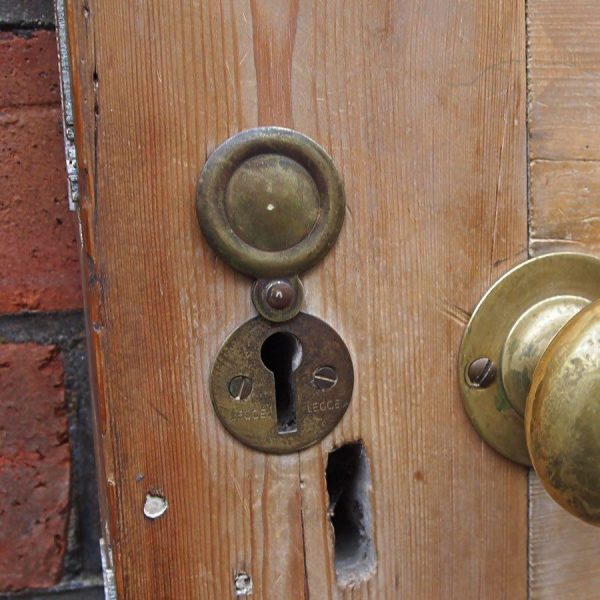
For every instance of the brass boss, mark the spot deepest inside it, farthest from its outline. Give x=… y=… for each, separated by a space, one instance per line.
x=270 y=202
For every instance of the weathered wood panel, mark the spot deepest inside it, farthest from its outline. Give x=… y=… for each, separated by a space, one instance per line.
x=564 y=154
x=422 y=106
x=565 y=206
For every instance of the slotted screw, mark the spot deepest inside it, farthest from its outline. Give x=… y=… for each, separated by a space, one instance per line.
x=481 y=373
x=240 y=387
x=324 y=378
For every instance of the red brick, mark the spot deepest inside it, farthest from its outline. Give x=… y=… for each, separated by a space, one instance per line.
x=34 y=467
x=39 y=258
x=28 y=69
x=38 y=242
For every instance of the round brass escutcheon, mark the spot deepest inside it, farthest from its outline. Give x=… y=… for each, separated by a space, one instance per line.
x=511 y=327
x=562 y=420
x=282 y=387
x=270 y=202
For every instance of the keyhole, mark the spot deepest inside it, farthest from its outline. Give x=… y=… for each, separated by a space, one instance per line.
x=281 y=353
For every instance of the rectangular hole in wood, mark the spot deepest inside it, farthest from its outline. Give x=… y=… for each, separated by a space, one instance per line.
x=349 y=485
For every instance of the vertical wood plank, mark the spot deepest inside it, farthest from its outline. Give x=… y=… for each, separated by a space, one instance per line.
x=422 y=106
x=564 y=159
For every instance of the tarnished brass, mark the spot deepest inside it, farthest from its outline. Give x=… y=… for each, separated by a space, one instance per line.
x=244 y=389
x=278 y=300
x=527 y=341
x=270 y=202
x=562 y=420
x=512 y=326
x=540 y=324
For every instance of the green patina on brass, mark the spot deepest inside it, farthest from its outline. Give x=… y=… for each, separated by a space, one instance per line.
x=270 y=202
x=512 y=326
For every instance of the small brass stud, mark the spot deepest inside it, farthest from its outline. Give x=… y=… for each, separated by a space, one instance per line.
x=280 y=294
x=278 y=300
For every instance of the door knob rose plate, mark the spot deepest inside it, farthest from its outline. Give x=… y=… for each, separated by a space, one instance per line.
x=507 y=335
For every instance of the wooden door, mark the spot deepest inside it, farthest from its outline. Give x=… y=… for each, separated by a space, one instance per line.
x=422 y=105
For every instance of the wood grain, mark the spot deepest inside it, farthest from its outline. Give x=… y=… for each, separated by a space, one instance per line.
x=564 y=155
x=421 y=105
x=565 y=206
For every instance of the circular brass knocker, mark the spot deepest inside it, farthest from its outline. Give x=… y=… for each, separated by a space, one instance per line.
x=270 y=202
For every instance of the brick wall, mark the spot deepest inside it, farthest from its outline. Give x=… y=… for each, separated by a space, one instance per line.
x=48 y=508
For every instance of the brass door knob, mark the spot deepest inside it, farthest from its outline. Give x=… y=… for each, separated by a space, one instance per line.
x=562 y=416
x=529 y=368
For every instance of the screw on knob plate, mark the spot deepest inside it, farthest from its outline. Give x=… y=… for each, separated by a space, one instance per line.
x=481 y=373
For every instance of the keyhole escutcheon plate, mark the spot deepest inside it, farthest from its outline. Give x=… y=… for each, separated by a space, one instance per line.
x=282 y=387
